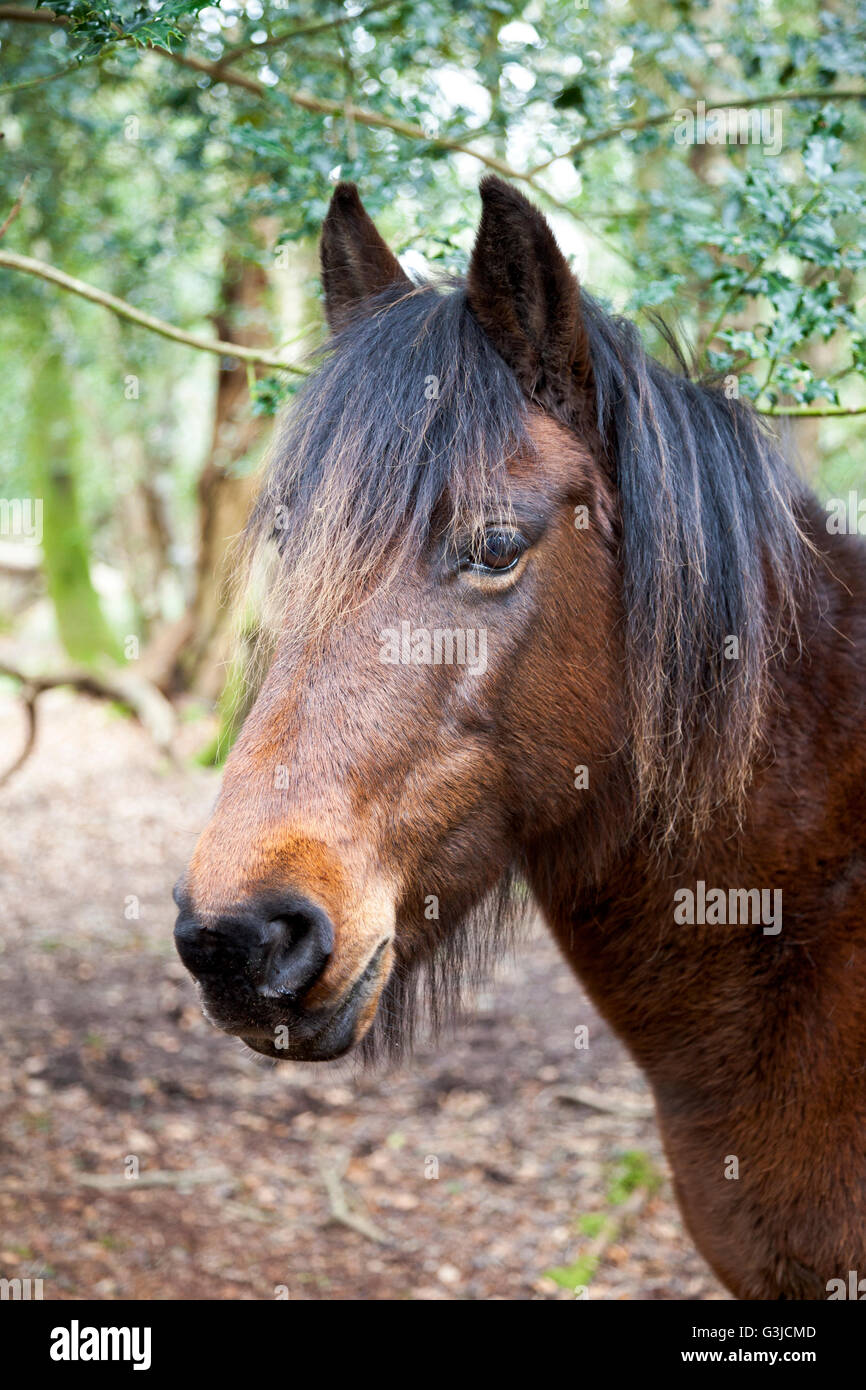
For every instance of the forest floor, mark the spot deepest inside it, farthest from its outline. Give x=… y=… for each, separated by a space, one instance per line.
x=255 y=1181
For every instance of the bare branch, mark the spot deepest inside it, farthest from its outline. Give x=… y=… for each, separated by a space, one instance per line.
x=325 y=106
x=804 y=412
x=22 y=15
x=43 y=271
x=148 y=704
x=16 y=208
x=47 y=77
x=158 y=1177
x=29 y=696
x=341 y=1212
x=599 y=137
x=232 y=55
x=610 y=1103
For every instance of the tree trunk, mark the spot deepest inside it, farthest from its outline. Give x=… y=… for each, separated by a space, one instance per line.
x=193 y=653
x=51 y=448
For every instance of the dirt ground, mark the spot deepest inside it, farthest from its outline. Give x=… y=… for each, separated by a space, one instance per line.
x=468 y=1173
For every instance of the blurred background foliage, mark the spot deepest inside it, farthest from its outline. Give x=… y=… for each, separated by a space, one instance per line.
x=180 y=156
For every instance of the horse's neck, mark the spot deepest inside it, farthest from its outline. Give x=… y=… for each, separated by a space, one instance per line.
x=663 y=983
x=754 y=1042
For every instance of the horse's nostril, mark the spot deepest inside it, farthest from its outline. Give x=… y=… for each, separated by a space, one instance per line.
x=210 y=950
x=280 y=951
x=298 y=944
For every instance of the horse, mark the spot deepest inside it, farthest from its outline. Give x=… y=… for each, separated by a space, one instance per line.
x=556 y=628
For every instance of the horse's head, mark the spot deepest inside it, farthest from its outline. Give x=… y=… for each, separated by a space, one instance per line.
x=448 y=658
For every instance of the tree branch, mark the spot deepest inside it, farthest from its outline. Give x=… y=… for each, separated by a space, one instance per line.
x=261 y=356
x=20 y=14
x=67 y=71
x=29 y=695
x=232 y=55
x=599 y=137
x=15 y=209
x=325 y=106
x=322 y=105
x=340 y=1211
x=148 y=704
x=806 y=411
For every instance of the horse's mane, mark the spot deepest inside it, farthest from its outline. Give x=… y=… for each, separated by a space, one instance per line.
x=712 y=549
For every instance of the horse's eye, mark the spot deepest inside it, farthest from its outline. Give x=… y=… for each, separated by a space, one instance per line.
x=495 y=552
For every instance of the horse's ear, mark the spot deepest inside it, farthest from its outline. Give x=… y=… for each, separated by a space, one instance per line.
x=356 y=263
x=525 y=297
